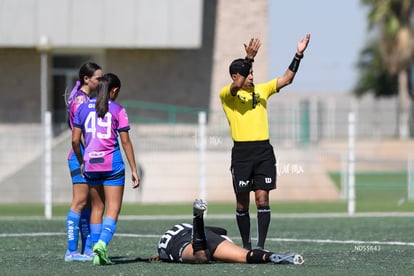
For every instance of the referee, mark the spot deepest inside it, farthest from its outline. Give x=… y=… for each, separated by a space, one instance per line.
x=253 y=162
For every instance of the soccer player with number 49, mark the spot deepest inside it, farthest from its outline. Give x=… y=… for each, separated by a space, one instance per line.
x=101 y=120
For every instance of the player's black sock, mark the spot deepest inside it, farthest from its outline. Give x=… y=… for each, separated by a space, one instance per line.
x=243 y=222
x=198 y=235
x=257 y=256
x=263 y=221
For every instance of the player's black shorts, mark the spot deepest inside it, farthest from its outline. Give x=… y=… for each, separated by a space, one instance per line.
x=173 y=242
x=253 y=166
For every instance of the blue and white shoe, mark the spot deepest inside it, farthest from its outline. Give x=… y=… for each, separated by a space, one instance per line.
x=75 y=256
x=286 y=259
x=89 y=255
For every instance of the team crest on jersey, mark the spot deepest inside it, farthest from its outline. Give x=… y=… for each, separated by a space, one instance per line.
x=246 y=98
x=79 y=99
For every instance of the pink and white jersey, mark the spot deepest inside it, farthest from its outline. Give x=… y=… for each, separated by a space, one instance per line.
x=102 y=149
x=78 y=98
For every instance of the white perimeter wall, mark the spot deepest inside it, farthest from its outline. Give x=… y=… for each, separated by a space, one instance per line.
x=102 y=23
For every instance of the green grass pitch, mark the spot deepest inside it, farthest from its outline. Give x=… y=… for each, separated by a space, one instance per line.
x=337 y=245
x=332 y=243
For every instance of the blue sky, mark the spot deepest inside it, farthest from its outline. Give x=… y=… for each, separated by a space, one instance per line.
x=338 y=32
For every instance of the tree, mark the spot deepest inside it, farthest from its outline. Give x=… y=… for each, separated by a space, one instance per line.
x=392 y=20
x=373 y=79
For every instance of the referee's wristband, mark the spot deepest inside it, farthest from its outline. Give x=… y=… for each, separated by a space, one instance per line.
x=299 y=56
x=248 y=60
x=294 y=65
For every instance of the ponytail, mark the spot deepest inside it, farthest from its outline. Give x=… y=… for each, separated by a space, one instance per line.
x=73 y=92
x=106 y=84
x=102 y=98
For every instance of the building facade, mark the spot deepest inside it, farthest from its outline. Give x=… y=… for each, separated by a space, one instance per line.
x=154 y=46
x=171 y=52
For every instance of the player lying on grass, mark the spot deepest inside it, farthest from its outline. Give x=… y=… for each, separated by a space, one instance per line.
x=196 y=244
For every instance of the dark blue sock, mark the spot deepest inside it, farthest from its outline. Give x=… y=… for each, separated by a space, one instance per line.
x=85 y=229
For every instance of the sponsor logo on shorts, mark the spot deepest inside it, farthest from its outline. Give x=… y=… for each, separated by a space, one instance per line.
x=244 y=183
x=268 y=180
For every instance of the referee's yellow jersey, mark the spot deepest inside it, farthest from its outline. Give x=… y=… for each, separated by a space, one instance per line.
x=248 y=123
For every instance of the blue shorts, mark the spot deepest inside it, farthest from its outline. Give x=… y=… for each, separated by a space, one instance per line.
x=116 y=177
x=74 y=170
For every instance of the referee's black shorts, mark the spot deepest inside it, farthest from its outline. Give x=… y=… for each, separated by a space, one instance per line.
x=253 y=166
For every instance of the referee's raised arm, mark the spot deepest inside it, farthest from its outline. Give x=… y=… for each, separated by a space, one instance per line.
x=290 y=73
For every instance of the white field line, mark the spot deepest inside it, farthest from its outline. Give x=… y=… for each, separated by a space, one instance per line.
x=231 y=216
x=328 y=241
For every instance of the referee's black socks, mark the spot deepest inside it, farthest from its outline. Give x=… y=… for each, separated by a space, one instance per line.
x=263 y=221
x=243 y=222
